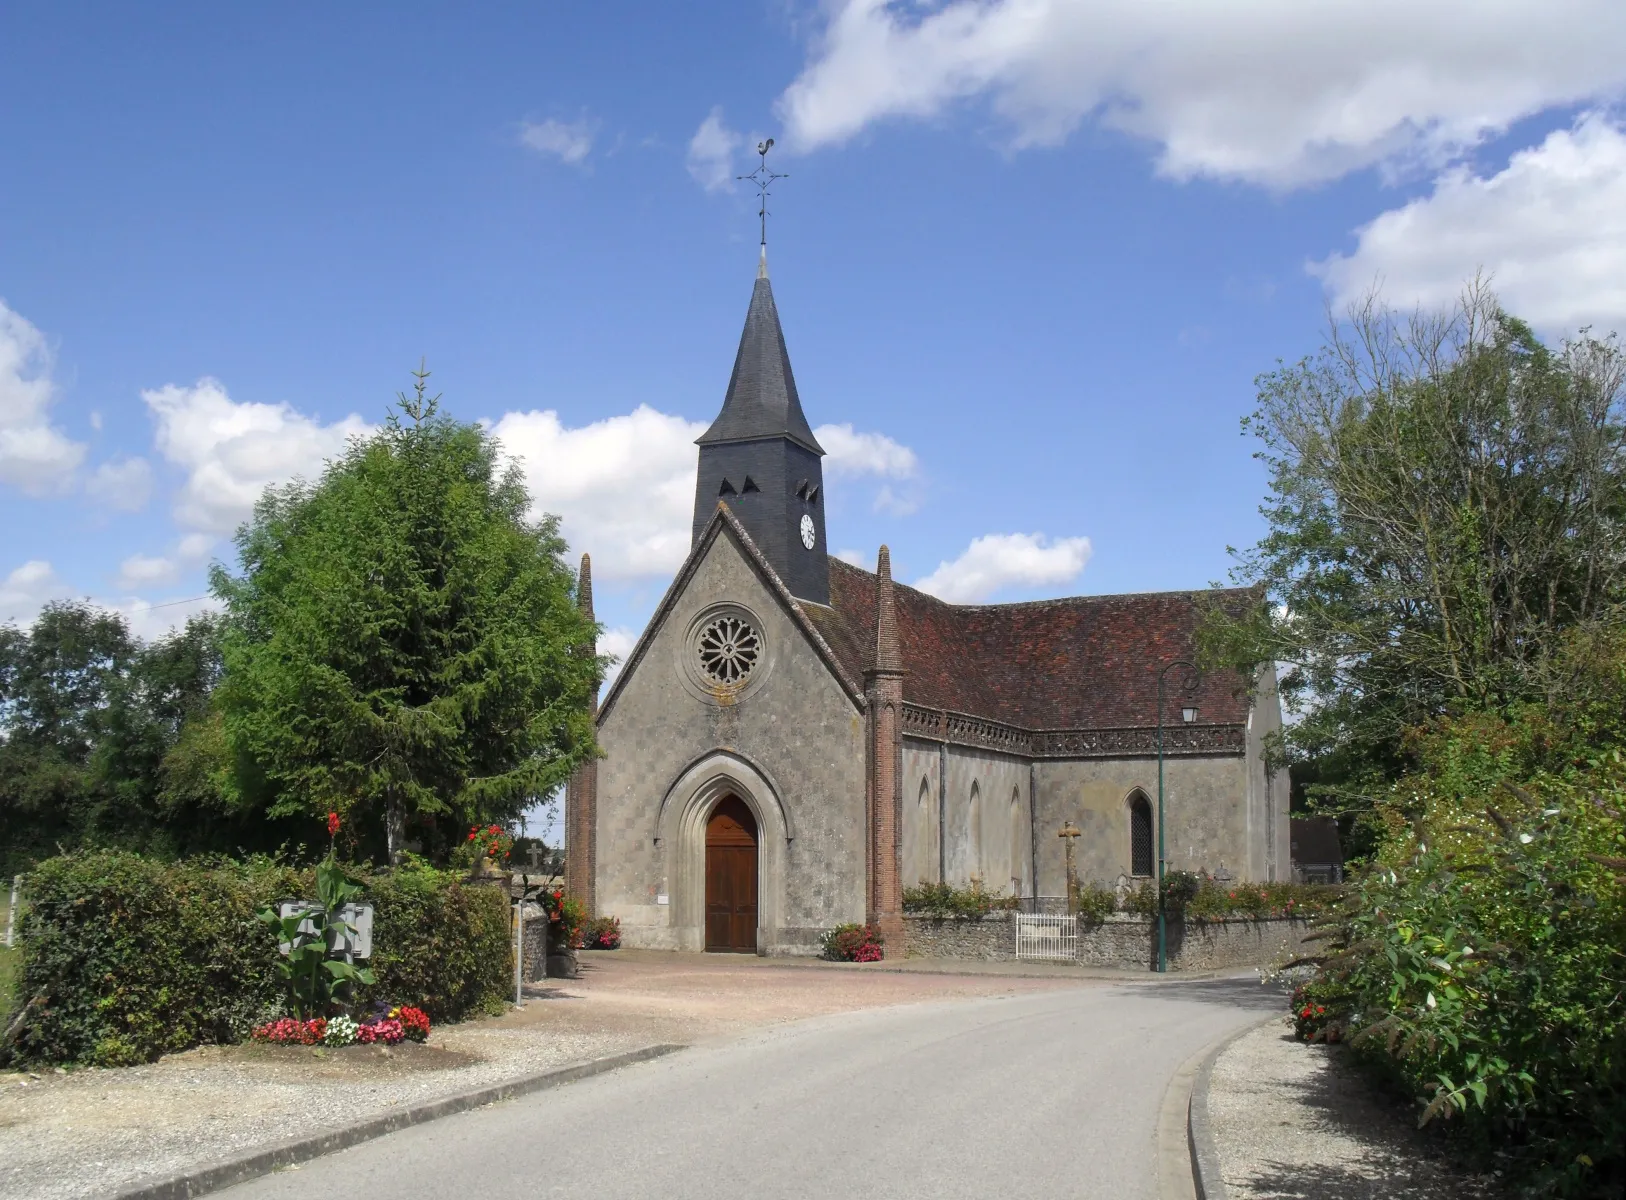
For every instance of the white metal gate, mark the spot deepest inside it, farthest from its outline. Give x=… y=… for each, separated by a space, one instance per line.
x=1049 y=936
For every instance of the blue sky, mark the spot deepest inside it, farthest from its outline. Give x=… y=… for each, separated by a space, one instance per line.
x=1030 y=257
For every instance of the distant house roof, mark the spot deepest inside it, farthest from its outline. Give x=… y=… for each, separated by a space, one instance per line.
x=1086 y=662
x=1315 y=840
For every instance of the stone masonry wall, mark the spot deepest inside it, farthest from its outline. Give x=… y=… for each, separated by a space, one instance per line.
x=1127 y=942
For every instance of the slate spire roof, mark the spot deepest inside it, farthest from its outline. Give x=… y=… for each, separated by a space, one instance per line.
x=762 y=400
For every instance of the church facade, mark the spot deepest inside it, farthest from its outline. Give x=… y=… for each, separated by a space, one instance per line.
x=793 y=740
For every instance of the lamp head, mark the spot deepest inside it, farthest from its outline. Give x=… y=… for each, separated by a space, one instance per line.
x=1188 y=714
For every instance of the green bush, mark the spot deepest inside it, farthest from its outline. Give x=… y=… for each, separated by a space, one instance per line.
x=1192 y=897
x=1478 y=965
x=946 y=900
x=1261 y=900
x=439 y=944
x=853 y=943
x=125 y=959
x=1094 y=902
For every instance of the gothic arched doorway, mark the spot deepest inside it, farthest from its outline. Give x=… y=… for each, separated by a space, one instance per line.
x=731 y=878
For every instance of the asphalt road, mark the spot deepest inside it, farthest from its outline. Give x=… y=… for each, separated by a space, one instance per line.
x=1051 y=1094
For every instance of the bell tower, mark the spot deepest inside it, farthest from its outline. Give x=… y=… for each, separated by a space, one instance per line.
x=761 y=459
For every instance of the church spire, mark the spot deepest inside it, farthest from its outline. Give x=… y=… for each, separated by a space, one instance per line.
x=762 y=401
x=761 y=459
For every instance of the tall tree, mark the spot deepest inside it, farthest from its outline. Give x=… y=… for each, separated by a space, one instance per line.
x=1446 y=507
x=402 y=638
x=56 y=681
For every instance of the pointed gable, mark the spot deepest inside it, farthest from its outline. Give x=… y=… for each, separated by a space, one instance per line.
x=723 y=523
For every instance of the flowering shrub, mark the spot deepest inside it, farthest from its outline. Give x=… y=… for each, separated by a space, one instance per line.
x=602 y=933
x=1195 y=897
x=491 y=841
x=1477 y=964
x=946 y=900
x=414 y=1022
x=853 y=943
x=566 y=916
x=384 y=1029
x=1318 y=1014
x=289 y=1031
x=387 y=1026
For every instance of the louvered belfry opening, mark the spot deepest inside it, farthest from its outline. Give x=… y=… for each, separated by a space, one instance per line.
x=1140 y=835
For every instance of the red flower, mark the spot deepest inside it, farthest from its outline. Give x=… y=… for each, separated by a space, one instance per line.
x=332 y=824
x=472 y=834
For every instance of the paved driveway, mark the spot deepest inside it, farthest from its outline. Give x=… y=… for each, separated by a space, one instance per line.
x=1049 y=1093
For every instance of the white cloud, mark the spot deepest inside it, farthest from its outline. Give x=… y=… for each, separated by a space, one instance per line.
x=619 y=642
x=1550 y=229
x=1002 y=560
x=233 y=450
x=122 y=483
x=34 y=455
x=195 y=546
x=851 y=453
x=711 y=153
x=568 y=141
x=34 y=584
x=1279 y=92
x=140 y=571
x=856 y=558
x=623 y=486
x=27 y=589
x=148 y=620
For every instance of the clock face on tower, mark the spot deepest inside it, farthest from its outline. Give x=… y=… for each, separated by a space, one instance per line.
x=807 y=531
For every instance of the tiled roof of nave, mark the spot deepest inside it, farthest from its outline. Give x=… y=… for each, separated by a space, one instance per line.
x=1085 y=662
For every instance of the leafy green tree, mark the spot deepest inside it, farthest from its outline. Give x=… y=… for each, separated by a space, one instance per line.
x=403 y=645
x=56 y=681
x=1446 y=504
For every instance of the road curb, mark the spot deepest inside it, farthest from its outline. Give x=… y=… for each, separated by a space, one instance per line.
x=212 y=1178
x=1205 y=1164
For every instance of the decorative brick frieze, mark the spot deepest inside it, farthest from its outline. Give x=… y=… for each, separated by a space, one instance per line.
x=1136 y=741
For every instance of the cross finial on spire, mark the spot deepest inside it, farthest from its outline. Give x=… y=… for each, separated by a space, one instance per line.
x=763 y=178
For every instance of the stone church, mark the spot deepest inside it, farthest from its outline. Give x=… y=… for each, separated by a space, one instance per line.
x=793 y=740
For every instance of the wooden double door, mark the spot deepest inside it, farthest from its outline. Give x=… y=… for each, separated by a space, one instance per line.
x=731 y=878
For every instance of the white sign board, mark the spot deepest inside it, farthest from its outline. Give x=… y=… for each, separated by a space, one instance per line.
x=359 y=917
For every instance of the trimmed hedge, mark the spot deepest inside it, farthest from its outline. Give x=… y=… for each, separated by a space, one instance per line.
x=125 y=959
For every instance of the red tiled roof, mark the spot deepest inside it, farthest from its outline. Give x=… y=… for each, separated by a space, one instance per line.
x=1086 y=662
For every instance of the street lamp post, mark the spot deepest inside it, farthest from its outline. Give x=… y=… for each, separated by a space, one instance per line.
x=1188 y=714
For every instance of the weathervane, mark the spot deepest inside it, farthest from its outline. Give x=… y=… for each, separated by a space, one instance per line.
x=763 y=178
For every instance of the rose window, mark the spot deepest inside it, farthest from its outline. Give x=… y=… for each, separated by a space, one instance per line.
x=729 y=649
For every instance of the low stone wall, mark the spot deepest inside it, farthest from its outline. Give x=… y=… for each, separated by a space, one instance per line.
x=1121 y=940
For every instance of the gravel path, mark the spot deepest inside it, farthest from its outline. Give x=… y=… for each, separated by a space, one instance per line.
x=90 y=1133
x=93 y=1132
x=1295 y=1122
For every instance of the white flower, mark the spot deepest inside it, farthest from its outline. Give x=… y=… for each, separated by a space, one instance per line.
x=1526 y=839
x=1549 y=812
x=1431 y=1003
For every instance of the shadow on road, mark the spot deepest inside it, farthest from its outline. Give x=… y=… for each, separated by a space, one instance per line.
x=1237 y=992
